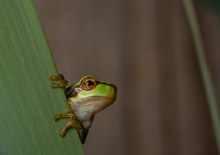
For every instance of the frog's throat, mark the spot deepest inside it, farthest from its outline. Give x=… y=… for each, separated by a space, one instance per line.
x=86 y=108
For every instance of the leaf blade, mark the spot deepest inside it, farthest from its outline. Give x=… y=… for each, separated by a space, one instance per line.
x=26 y=99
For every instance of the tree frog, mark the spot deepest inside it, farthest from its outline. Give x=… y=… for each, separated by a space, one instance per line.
x=85 y=98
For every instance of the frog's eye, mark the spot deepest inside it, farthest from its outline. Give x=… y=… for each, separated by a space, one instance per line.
x=88 y=83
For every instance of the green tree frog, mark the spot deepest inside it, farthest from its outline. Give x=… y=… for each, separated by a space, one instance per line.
x=85 y=98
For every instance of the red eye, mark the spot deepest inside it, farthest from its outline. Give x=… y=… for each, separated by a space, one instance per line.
x=88 y=83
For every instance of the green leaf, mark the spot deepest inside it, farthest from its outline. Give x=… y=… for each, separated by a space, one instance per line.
x=27 y=103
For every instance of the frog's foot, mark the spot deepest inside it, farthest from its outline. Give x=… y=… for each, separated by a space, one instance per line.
x=58 y=81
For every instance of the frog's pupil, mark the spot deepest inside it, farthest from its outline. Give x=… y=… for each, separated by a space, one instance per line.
x=89 y=83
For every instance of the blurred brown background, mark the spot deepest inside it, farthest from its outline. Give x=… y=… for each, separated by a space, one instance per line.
x=145 y=47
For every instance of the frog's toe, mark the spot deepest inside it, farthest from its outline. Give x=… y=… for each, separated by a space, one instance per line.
x=56 y=77
x=56 y=117
x=60 y=84
x=62 y=133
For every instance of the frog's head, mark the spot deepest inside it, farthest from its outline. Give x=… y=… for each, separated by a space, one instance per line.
x=92 y=95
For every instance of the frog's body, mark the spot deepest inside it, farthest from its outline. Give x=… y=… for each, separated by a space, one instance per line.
x=85 y=99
